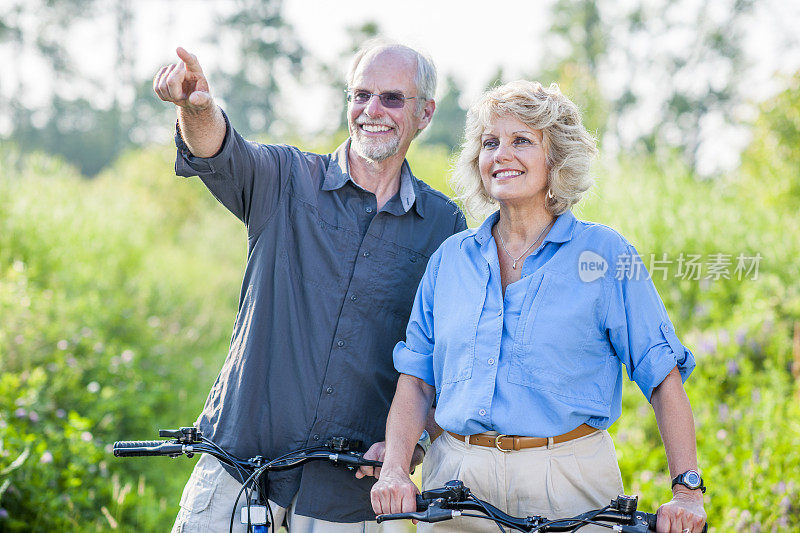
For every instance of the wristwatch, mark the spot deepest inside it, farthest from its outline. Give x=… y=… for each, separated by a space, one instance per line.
x=424 y=441
x=690 y=479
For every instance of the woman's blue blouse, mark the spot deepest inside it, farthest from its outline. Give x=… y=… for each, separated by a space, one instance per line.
x=548 y=355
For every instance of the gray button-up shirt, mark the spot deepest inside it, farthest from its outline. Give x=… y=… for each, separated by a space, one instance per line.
x=326 y=295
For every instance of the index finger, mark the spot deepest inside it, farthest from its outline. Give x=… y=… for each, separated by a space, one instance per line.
x=189 y=59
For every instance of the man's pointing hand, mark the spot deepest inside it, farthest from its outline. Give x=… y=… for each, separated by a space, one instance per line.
x=183 y=83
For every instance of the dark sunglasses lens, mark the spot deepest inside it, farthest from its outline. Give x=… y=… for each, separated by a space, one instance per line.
x=392 y=100
x=361 y=97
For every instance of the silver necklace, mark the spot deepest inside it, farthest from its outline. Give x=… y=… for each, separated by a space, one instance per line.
x=514 y=266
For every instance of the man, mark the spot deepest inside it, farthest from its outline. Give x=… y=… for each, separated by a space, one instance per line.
x=337 y=244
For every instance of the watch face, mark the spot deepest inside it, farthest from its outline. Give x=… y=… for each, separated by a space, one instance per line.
x=692 y=478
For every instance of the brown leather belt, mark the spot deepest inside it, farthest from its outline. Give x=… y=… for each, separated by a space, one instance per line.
x=507 y=443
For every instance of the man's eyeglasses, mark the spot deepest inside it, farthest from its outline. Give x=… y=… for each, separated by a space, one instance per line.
x=389 y=100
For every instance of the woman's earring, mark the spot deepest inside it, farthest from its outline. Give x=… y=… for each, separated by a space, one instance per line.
x=550 y=194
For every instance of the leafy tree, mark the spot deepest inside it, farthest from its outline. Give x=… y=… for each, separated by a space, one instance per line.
x=771 y=164
x=677 y=70
x=268 y=48
x=581 y=27
x=447 y=127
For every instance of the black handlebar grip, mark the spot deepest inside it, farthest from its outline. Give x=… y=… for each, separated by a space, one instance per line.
x=422 y=503
x=651 y=522
x=143 y=448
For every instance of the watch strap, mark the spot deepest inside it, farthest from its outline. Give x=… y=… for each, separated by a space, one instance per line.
x=681 y=480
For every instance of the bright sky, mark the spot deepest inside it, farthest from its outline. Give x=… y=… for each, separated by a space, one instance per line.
x=467 y=38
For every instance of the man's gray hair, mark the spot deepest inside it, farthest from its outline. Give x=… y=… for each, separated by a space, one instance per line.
x=425 y=80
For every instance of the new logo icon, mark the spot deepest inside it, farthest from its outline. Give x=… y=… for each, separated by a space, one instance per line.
x=591 y=266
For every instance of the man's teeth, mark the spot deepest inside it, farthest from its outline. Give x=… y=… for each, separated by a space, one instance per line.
x=374 y=128
x=507 y=174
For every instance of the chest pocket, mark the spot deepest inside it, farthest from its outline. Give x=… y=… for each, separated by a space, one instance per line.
x=559 y=347
x=458 y=301
x=316 y=251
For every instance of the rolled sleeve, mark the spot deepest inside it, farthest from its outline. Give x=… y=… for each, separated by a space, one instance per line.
x=419 y=365
x=188 y=165
x=246 y=177
x=641 y=333
x=414 y=356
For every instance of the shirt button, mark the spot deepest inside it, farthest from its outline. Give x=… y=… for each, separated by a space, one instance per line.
x=316 y=437
x=490 y=361
x=366 y=254
x=353 y=297
x=500 y=312
x=482 y=412
x=329 y=390
x=369 y=210
x=340 y=343
x=413 y=259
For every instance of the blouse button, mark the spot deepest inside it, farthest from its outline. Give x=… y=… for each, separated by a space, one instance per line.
x=482 y=412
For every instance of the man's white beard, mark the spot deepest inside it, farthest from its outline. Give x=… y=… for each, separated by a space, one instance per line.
x=374 y=149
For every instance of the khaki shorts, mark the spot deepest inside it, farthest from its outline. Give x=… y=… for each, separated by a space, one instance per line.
x=563 y=480
x=208 y=498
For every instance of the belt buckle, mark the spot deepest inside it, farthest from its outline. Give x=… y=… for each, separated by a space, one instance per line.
x=497 y=444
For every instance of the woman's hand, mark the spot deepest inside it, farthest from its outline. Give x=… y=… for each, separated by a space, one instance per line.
x=394 y=492
x=684 y=514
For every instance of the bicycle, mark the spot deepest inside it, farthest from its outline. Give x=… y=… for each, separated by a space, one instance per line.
x=251 y=472
x=454 y=499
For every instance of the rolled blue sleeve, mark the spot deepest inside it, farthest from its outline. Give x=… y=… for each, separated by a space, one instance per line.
x=414 y=356
x=640 y=331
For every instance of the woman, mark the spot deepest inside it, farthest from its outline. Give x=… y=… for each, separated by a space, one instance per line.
x=520 y=329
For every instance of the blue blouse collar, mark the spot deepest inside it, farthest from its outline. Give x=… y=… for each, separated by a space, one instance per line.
x=560 y=232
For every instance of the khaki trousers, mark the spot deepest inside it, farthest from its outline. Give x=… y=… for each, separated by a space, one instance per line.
x=558 y=481
x=208 y=498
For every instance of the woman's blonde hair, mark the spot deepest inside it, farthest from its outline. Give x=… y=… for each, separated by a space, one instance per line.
x=568 y=147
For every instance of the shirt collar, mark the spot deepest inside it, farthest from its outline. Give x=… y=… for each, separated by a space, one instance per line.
x=338 y=174
x=562 y=228
x=560 y=232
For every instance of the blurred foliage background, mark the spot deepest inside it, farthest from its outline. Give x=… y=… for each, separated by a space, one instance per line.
x=119 y=281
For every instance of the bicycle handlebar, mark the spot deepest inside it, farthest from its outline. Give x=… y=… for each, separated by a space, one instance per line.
x=189 y=440
x=454 y=498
